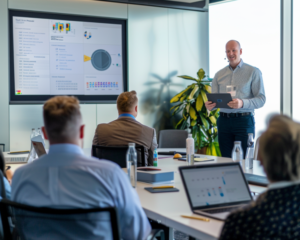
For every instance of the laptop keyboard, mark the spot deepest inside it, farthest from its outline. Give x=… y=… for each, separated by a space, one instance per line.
x=229 y=209
x=15 y=159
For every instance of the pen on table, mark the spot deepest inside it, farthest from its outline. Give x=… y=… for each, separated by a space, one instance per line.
x=196 y=218
x=161 y=187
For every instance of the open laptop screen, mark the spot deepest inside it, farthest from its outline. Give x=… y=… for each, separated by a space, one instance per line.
x=215 y=185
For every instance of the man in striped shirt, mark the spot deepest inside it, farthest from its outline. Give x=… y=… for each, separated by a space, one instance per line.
x=247 y=89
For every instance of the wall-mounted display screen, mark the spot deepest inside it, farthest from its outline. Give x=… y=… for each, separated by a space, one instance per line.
x=66 y=55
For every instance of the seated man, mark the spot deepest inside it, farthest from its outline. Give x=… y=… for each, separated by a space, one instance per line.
x=126 y=129
x=66 y=178
x=276 y=212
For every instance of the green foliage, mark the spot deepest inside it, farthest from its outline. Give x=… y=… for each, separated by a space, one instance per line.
x=190 y=104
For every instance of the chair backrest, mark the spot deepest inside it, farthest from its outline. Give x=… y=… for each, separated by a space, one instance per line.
x=48 y=223
x=172 y=138
x=117 y=154
x=256 y=149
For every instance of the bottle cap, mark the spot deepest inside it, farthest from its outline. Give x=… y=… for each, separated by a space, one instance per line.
x=190 y=136
x=33 y=129
x=236 y=142
x=131 y=144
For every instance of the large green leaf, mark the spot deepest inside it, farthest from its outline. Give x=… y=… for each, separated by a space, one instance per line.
x=175 y=106
x=217 y=147
x=188 y=77
x=201 y=74
x=204 y=132
x=179 y=123
x=204 y=121
x=183 y=125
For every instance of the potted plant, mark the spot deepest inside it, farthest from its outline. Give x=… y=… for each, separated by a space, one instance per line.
x=203 y=123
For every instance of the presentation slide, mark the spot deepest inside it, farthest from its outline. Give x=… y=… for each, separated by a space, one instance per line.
x=59 y=57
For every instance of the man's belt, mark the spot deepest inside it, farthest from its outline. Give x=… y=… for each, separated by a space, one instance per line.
x=232 y=115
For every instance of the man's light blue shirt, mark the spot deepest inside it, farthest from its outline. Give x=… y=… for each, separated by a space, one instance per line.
x=249 y=86
x=66 y=178
x=127 y=115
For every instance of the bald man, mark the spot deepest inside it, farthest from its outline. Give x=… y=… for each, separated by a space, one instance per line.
x=246 y=86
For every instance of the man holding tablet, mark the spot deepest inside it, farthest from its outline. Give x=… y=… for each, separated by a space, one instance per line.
x=245 y=84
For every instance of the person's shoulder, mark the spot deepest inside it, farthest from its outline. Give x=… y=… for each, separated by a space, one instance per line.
x=252 y=68
x=105 y=125
x=223 y=70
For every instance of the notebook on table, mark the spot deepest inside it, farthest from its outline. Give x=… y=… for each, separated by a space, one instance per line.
x=214 y=190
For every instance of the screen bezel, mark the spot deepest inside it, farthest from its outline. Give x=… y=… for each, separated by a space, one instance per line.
x=39 y=99
x=209 y=166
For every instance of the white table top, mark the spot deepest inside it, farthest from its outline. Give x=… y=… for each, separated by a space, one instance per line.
x=166 y=208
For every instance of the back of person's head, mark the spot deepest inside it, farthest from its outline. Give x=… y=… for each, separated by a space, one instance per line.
x=127 y=101
x=279 y=149
x=62 y=119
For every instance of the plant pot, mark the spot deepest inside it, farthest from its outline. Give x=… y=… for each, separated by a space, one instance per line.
x=202 y=150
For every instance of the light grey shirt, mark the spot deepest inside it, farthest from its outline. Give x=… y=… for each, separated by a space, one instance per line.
x=249 y=86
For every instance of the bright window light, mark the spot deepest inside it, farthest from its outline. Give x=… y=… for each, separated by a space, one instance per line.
x=256 y=25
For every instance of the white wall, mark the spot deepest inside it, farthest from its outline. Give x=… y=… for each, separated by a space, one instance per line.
x=160 y=41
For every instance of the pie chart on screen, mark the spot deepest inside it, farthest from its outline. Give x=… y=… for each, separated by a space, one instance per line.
x=101 y=60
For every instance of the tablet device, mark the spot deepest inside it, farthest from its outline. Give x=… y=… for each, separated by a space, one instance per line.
x=221 y=99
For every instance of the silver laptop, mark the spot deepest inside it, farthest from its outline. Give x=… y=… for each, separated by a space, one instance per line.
x=214 y=190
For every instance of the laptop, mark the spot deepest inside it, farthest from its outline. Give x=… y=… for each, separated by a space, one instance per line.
x=214 y=190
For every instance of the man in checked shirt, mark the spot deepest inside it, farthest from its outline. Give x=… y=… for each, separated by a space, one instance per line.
x=246 y=86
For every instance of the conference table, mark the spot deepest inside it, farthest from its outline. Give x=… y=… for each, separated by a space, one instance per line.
x=167 y=208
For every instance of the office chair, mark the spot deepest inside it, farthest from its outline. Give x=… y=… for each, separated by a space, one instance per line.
x=172 y=138
x=3 y=147
x=49 y=223
x=117 y=154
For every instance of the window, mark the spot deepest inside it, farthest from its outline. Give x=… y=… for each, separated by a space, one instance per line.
x=256 y=25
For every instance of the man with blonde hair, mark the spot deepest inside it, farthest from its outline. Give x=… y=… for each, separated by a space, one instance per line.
x=66 y=178
x=126 y=129
x=276 y=212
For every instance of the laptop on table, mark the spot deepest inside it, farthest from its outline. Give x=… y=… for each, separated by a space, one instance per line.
x=214 y=190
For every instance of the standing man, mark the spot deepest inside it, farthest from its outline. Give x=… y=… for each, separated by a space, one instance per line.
x=245 y=84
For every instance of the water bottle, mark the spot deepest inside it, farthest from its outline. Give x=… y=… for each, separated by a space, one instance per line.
x=250 y=152
x=40 y=132
x=131 y=163
x=190 y=149
x=237 y=152
x=33 y=154
x=155 y=158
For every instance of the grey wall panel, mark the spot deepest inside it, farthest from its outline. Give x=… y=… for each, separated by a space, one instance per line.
x=25 y=117
x=81 y=7
x=4 y=107
x=106 y=113
x=188 y=49
x=188 y=44
x=22 y=119
x=89 y=116
x=148 y=60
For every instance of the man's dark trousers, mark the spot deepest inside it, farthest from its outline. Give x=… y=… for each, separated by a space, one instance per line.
x=234 y=128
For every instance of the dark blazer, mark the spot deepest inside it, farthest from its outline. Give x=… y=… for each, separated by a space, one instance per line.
x=126 y=130
x=275 y=215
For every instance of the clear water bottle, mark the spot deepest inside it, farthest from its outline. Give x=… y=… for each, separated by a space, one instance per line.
x=131 y=158
x=40 y=132
x=237 y=152
x=155 y=158
x=190 y=149
x=33 y=154
x=250 y=152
